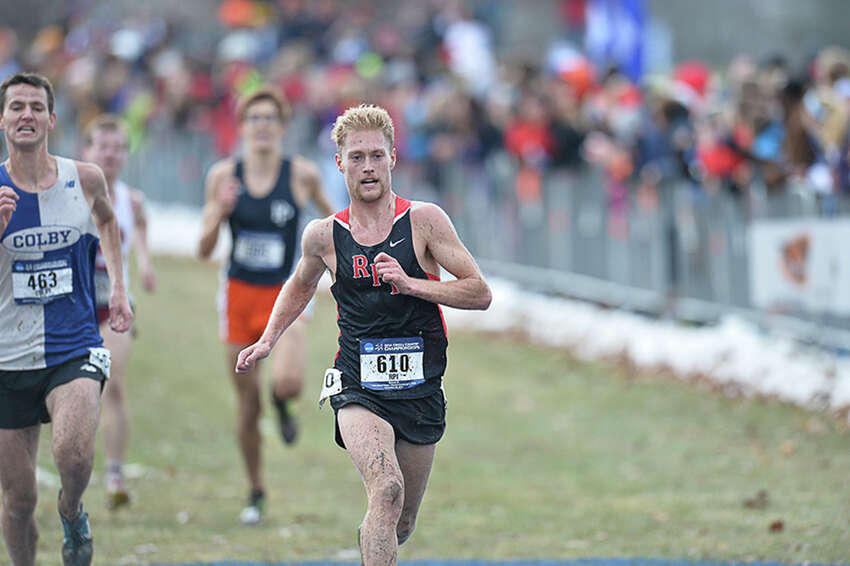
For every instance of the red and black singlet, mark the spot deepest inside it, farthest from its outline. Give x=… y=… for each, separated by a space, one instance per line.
x=369 y=308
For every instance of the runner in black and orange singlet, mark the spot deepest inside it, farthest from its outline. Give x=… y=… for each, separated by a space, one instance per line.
x=260 y=195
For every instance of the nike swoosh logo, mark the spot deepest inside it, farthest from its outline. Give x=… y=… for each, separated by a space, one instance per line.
x=397 y=242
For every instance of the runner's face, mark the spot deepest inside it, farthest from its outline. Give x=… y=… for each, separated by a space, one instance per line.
x=262 y=127
x=26 y=118
x=366 y=161
x=109 y=150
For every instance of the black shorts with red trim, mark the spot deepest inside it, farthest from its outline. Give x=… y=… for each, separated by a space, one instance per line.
x=418 y=421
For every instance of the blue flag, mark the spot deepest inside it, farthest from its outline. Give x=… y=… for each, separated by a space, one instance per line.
x=614 y=35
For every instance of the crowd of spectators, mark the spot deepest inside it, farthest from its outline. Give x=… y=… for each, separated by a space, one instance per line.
x=436 y=67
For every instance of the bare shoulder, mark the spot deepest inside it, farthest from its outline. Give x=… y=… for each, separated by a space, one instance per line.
x=318 y=236
x=429 y=217
x=137 y=199
x=91 y=177
x=303 y=168
x=217 y=173
x=221 y=168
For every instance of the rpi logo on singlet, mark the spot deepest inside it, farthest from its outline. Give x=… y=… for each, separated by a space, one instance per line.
x=281 y=212
x=360 y=264
x=41 y=239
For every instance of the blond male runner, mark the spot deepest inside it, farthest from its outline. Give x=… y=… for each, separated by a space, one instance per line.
x=384 y=254
x=260 y=195
x=52 y=365
x=105 y=143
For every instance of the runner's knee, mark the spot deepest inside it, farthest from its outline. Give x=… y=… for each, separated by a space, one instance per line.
x=249 y=405
x=114 y=390
x=389 y=492
x=20 y=505
x=406 y=524
x=72 y=459
x=288 y=386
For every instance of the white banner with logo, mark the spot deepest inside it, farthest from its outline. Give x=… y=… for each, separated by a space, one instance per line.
x=800 y=264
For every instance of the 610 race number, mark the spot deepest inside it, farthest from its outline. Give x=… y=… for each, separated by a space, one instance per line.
x=403 y=364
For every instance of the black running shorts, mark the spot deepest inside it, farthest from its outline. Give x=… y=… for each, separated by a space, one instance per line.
x=418 y=421
x=23 y=392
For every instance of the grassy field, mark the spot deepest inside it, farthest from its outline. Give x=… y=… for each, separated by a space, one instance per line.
x=543 y=457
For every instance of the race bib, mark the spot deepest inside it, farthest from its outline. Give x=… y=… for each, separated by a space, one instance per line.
x=259 y=250
x=102 y=288
x=391 y=363
x=101 y=359
x=331 y=385
x=42 y=281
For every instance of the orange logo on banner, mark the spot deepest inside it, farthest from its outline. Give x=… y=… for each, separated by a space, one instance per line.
x=794 y=260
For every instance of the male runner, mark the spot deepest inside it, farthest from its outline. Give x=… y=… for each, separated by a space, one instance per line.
x=105 y=144
x=52 y=365
x=384 y=254
x=261 y=196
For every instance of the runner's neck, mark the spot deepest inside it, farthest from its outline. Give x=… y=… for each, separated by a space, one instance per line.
x=265 y=163
x=32 y=171
x=372 y=220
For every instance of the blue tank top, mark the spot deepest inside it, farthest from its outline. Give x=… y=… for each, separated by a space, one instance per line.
x=264 y=231
x=47 y=305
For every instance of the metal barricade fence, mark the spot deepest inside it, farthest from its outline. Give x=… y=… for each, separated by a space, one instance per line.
x=673 y=250
x=676 y=250
x=170 y=166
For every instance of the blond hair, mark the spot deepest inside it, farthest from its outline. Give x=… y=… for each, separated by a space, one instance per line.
x=363 y=117
x=103 y=123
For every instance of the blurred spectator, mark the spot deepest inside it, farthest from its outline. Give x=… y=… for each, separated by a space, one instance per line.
x=456 y=105
x=8 y=52
x=468 y=48
x=567 y=127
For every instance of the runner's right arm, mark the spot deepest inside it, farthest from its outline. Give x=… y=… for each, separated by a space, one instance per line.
x=8 y=204
x=296 y=292
x=222 y=190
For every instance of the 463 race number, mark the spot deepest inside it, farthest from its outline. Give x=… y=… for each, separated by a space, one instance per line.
x=42 y=281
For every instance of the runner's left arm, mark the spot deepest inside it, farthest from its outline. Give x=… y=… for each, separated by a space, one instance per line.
x=140 y=240
x=443 y=246
x=309 y=175
x=94 y=189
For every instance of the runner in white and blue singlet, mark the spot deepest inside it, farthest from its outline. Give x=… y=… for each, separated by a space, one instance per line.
x=47 y=305
x=52 y=365
x=106 y=144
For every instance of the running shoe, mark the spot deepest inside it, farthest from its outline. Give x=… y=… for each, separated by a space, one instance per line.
x=77 y=545
x=117 y=495
x=117 y=499
x=287 y=422
x=253 y=513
